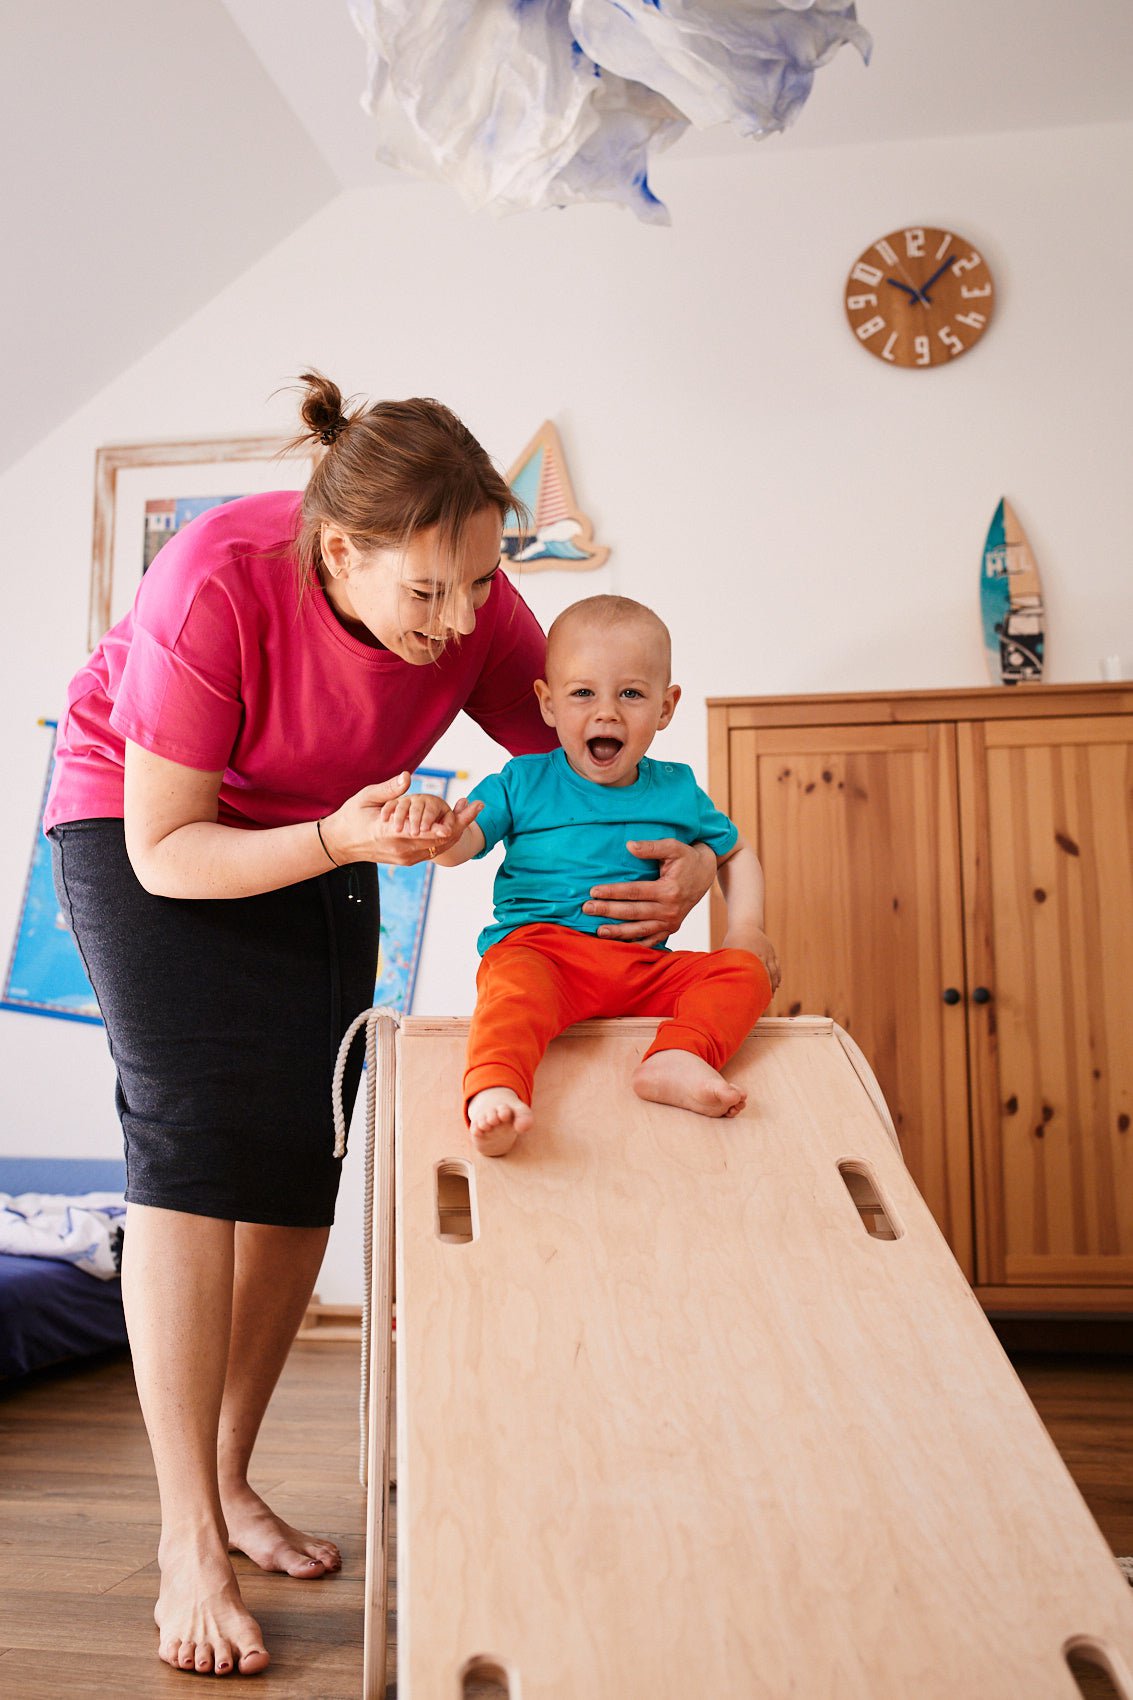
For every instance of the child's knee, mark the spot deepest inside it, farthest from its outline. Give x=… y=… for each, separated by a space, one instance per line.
x=748 y=973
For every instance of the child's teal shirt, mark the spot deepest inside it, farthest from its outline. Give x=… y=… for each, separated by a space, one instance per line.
x=563 y=834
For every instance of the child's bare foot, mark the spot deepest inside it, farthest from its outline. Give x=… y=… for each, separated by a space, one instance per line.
x=496 y=1118
x=255 y=1530
x=202 y=1622
x=688 y=1082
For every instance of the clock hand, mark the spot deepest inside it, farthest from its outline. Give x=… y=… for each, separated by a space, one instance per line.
x=939 y=272
x=908 y=290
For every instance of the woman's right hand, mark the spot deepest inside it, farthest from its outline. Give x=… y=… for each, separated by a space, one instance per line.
x=386 y=823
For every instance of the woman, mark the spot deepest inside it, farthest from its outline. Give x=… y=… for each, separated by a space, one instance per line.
x=215 y=825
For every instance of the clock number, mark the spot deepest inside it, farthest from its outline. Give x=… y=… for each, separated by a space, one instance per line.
x=920 y=327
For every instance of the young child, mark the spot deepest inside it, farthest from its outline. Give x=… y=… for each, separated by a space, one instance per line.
x=566 y=819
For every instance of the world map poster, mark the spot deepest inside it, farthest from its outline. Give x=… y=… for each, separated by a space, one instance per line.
x=45 y=971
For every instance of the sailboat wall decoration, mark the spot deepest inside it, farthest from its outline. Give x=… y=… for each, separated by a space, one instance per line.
x=554 y=532
x=1011 y=603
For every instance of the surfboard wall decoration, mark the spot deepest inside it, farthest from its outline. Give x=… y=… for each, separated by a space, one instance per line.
x=559 y=534
x=1011 y=603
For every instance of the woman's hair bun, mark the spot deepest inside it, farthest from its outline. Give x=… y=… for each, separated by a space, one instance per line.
x=322 y=407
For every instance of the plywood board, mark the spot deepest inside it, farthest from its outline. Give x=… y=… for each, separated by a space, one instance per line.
x=675 y=1421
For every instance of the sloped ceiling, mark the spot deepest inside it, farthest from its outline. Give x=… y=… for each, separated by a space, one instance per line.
x=939 y=68
x=148 y=158
x=153 y=149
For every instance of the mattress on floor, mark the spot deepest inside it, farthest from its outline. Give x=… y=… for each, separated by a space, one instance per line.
x=50 y=1311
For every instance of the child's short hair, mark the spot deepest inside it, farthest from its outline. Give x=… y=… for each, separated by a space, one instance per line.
x=606 y=612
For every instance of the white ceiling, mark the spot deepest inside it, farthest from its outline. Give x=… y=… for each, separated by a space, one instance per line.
x=152 y=151
x=939 y=68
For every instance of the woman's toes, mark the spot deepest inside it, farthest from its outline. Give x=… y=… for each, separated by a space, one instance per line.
x=187 y=1657
x=203 y=1660
x=251 y=1660
x=222 y=1658
x=169 y=1650
x=306 y=1567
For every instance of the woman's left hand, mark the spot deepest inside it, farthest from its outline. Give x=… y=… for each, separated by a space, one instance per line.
x=647 y=911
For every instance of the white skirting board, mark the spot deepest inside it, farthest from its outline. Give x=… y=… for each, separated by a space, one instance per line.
x=695 y=1406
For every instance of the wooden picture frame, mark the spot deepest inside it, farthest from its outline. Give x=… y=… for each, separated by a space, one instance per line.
x=127 y=474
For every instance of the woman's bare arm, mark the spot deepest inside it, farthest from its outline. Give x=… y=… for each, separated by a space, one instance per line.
x=178 y=848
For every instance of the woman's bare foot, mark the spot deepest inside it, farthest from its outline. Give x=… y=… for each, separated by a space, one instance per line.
x=688 y=1082
x=496 y=1118
x=255 y=1530
x=203 y=1624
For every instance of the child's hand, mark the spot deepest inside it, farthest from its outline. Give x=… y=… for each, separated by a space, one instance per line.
x=426 y=822
x=755 y=940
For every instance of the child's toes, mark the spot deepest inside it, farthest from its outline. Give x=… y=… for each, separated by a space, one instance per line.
x=496 y=1139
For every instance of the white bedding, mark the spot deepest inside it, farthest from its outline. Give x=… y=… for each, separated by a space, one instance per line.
x=84 y=1229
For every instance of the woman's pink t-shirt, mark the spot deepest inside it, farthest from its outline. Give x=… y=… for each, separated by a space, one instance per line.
x=219 y=666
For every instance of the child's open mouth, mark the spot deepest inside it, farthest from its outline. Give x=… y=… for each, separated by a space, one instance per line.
x=604 y=750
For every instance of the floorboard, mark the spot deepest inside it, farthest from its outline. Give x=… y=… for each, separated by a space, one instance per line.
x=78 y=1520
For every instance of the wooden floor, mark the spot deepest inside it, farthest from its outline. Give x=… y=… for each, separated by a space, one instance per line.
x=78 y=1521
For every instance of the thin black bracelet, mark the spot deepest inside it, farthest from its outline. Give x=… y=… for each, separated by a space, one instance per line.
x=323 y=842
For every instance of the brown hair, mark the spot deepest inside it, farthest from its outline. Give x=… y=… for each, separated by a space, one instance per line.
x=390 y=470
x=604 y=612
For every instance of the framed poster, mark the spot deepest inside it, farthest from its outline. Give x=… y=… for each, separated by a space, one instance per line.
x=45 y=971
x=46 y=974
x=144 y=492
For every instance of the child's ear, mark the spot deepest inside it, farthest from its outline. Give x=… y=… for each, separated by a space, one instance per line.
x=669 y=706
x=543 y=692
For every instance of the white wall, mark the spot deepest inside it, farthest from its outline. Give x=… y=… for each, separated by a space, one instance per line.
x=806 y=518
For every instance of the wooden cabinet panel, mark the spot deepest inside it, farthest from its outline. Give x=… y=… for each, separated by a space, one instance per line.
x=1047 y=809
x=858 y=833
x=980 y=840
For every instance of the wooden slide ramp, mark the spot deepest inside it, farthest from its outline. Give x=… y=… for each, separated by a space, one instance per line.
x=706 y=1408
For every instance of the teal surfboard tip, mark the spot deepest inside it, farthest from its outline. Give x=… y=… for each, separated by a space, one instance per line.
x=1011 y=608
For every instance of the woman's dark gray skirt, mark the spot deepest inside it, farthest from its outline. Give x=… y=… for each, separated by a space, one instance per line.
x=224 y=1020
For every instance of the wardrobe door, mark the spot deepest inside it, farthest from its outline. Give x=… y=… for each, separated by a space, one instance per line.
x=857 y=830
x=1048 y=856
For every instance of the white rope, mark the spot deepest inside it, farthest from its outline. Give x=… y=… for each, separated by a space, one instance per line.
x=369 y=1019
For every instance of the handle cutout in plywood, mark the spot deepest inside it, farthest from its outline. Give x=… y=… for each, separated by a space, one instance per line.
x=877 y=1219
x=1094 y=1672
x=487 y=1679
x=457 y=1218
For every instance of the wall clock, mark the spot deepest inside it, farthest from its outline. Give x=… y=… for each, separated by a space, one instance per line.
x=919 y=297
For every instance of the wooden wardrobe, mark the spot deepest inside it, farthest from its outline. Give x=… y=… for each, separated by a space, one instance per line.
x=950 y=877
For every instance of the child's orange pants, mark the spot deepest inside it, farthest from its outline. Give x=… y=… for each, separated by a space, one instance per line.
x=540 y=978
